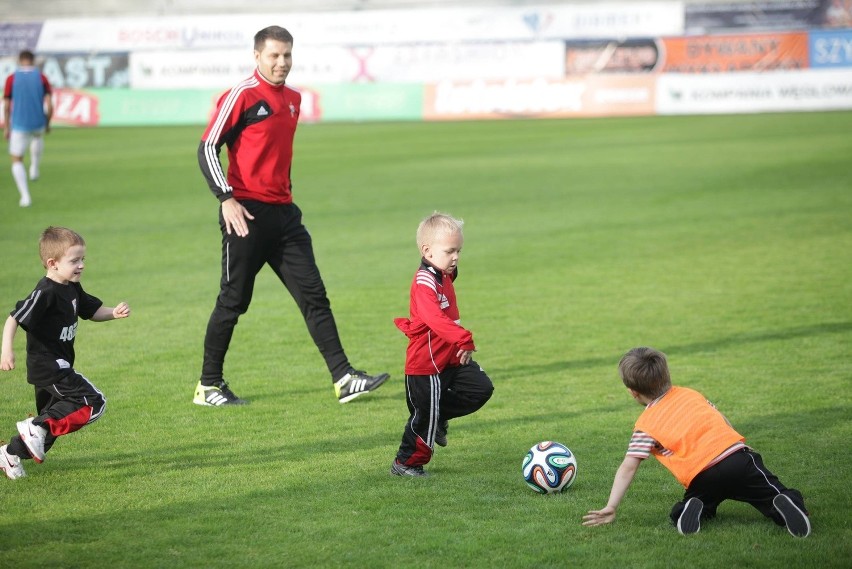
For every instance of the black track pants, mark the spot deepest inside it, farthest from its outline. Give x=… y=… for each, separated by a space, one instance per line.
x=65 y=406
x=743 y=477
x=276 y=238
x=455 y=392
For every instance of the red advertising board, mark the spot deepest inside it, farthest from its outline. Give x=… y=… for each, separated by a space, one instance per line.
x=740 y=52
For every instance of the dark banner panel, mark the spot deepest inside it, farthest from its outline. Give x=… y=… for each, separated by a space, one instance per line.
x=611 y=56
x=15 y=37
x=789 y=14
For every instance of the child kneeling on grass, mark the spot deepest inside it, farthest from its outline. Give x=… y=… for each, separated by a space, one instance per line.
x=66 y=401
x=697 y=444
x=442 y=381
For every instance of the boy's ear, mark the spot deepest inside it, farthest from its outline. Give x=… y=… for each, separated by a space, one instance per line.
x=52 y=263
x=424 y=249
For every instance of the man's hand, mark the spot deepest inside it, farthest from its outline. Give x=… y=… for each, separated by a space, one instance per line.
x=235 y=216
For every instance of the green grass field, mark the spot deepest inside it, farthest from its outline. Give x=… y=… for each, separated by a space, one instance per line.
x=724 y=241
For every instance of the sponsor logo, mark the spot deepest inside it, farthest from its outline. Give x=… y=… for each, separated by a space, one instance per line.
x=75 y=108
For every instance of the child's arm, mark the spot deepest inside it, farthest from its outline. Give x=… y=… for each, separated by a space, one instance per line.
x=623 y=477
x=105 y=313
x=7 y=353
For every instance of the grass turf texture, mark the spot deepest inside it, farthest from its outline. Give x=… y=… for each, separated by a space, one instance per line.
x=724 y=241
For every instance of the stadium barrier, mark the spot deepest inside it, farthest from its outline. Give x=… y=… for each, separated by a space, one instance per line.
x=454 y=64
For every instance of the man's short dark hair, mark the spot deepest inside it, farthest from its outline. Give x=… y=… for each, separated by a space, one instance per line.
x=276 y=33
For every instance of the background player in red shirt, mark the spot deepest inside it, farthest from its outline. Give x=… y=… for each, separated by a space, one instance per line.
x=260 y=224
x=442 y=381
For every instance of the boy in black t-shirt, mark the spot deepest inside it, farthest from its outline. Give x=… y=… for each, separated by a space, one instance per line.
x=66 y=401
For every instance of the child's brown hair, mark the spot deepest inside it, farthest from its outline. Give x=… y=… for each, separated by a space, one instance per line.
x=645 y=371
x=55 y=241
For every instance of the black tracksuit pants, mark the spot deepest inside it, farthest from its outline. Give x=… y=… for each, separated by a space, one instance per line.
x=65 y=406
x=743 y=477
x=455 y=392
x=276 y=238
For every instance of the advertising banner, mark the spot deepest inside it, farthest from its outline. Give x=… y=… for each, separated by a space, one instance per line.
x=740 y=52
x=16 y=37
x=368 y=27
x=76 y=71
x=611 y=56
x=417 y=63
x=593 y=95
x=809 y=90
x=432 y=62
x=139 y=34
x=830 y=48
x=362 y=102
x=713 y=17
x=130 y=107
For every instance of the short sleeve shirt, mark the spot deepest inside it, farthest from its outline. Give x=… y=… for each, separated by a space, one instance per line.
x=49 y=316
x=642 y=445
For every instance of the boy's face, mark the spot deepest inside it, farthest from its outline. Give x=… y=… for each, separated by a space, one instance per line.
x=444 y=251
x=69 y=267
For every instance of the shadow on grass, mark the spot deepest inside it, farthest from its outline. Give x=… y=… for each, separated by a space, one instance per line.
x=827 y=328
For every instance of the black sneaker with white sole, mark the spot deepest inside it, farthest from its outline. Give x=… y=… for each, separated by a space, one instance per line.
x=357 y=383
x=689 y=521
x=795 y=519
x=216 y=395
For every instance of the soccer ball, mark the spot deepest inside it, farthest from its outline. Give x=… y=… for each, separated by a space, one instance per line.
x=549 y=468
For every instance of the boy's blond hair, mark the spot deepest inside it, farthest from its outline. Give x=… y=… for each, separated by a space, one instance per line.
x=645 y=371
x=55 y=241
x=437 y=224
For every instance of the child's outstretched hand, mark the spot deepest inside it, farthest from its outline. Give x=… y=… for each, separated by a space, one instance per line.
x=121 y=311
x=605 y=515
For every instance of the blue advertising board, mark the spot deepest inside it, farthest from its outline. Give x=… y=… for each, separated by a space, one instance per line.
x=830 y=48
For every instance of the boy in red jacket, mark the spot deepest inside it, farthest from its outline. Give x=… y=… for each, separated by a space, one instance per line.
x=442 y=381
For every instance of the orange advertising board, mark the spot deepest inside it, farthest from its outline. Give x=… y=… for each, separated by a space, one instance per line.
x=585 y=96
x=739 y=52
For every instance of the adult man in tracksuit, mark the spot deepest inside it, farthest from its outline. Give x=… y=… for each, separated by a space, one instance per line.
x=260 y=224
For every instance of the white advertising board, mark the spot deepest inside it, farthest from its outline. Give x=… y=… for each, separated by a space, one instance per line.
x=368 y=27
x=807 y=90
x=420 y=63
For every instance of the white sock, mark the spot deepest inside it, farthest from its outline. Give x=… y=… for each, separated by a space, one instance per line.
x=19 y=173
x=36 y=150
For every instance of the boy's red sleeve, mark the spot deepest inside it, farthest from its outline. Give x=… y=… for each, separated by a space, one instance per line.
x=428 y=310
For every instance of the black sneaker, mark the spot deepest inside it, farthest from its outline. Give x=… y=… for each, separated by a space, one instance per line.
x=689 y=521
x=795 y=519
x=441 y=433
x=216 y=395
x=399 y=469
x=357 y=383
